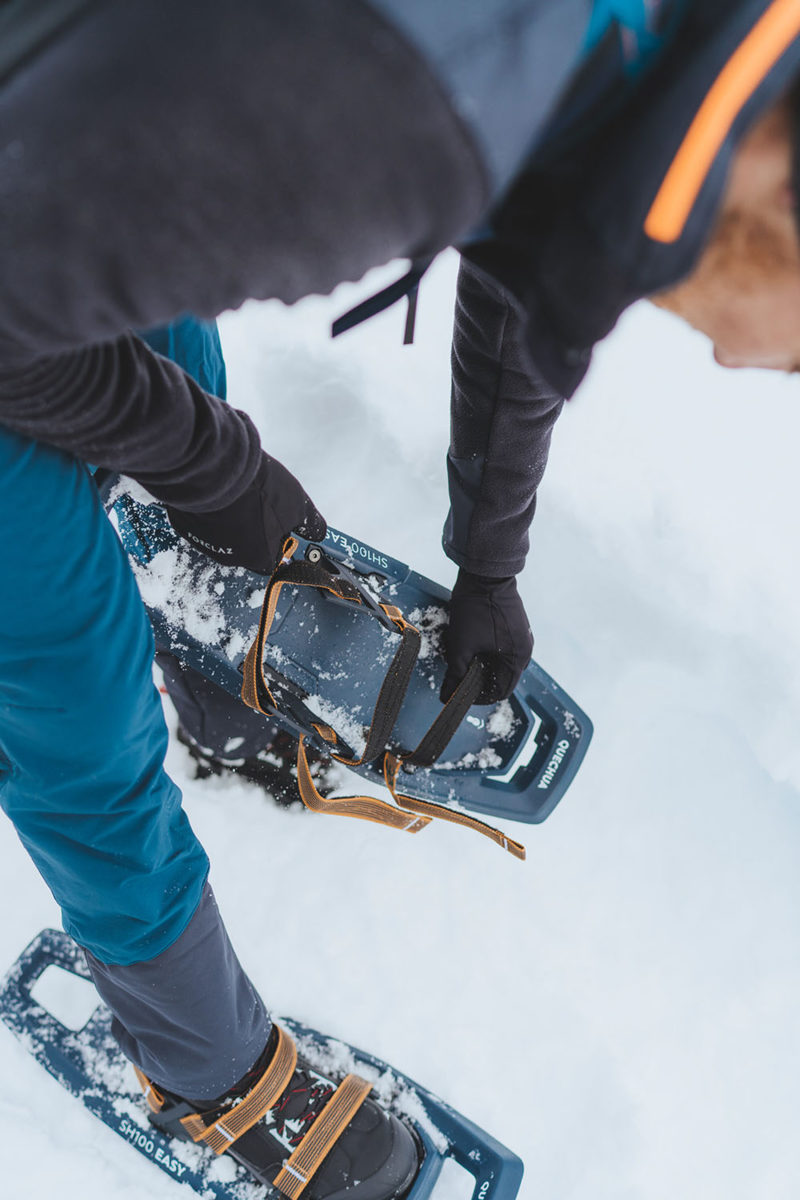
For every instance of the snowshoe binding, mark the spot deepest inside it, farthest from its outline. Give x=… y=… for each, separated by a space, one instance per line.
x=321 y=1127
x=362 y=690
x=299 y=1132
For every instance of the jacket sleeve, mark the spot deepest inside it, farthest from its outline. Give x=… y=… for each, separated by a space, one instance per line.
x=502 y=416
x=121 y=406
x=136 y=184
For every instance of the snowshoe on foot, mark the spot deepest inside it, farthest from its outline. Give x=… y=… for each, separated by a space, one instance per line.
x=273 y=769
x=297 y=1131
x=89 y=1064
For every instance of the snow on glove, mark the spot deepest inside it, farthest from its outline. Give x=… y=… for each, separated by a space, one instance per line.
x=487 y=618
x=250 y=532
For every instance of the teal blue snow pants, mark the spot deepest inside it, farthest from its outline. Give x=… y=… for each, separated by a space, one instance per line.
x=82 y=735
x=82 y=742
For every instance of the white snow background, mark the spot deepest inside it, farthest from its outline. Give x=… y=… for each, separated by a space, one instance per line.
x=621 y=1010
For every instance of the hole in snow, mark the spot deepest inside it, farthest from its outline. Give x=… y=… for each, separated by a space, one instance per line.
x=69 y=999
x=454 y=1183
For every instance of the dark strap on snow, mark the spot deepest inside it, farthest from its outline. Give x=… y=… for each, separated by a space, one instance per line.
x=407 y=814
x=393 y=690
x=407 y=286
x=411 y=315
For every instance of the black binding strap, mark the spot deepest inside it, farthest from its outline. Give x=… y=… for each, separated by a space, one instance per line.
x=256 y=691
x=390 y=697
x=434 y=742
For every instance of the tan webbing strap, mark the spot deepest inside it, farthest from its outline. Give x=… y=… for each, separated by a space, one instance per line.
x=391 y=768
x=254 y=685
x=252 y=672
x=256 y=692
x=366 y=808
x=221 y=1135
x=326 y=733
x=151 y=1093
x=331 y=1123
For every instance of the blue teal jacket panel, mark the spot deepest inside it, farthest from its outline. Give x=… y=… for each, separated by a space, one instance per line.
x=194 y=345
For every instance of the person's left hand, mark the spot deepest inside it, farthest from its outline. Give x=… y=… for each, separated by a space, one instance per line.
x=251 y=531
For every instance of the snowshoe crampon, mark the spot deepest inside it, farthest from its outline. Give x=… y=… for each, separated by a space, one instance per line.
x=347 y=654
x=88 y=1063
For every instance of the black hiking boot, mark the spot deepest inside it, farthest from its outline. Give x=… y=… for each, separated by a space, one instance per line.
x=298 y=1131
x=273 y=769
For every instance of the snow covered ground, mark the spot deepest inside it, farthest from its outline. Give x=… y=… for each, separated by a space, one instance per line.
x=621 y=1009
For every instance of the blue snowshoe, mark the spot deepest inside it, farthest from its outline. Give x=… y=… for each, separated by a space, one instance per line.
x=347 y=655
x=274 y=1141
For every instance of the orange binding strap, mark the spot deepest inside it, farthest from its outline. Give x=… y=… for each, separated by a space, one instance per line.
x=151 y=1093
x=254 y=685
x=327 y=1128
x=391 y=768
x=255 y=690
x=749 y=65
x=223 y=1132
x=368 y=808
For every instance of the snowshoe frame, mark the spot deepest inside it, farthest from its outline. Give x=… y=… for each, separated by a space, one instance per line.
x=83 y=1061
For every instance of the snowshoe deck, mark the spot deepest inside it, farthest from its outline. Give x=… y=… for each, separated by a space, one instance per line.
x=88 y=1063
x=514 y=759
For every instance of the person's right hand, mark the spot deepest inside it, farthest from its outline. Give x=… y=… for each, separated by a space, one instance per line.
x=487 y=618
x=251 y=531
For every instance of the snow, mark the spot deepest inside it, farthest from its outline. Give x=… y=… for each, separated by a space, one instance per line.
x=621 y=1009
x=168 y=584
x=341 y=720
x=502 y=722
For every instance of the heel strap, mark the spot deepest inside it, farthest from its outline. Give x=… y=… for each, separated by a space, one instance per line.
x=222 y=1133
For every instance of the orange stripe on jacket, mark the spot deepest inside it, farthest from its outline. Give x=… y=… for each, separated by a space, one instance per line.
x=769 y=38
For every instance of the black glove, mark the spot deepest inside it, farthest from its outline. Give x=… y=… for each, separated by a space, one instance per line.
x=486 y=618
x=250 y=532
